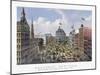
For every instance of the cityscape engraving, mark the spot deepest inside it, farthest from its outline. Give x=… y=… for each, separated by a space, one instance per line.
x=52 y=35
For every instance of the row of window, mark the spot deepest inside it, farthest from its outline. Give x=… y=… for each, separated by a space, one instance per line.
x=19 y=46
x=23 y=34
x=22 y=28
x=23 y=40
x=22 y=54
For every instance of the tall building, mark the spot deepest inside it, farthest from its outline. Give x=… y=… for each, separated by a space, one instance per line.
x=60 y=35
x=23 y=39
x=82 y=42
x=85 y=40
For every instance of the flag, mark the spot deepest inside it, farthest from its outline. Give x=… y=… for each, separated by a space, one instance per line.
x=60 y=23
x=83 y=19
x=72 y=27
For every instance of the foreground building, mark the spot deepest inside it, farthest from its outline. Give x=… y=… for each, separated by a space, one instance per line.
x=28 y=47
x=23 y=40
x=85 y=40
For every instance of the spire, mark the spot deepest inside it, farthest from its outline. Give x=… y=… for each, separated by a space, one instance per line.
x=32 y=29
x=23 y=19
x=23 y=12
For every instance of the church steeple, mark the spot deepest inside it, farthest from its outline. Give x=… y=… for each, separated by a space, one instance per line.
x=23 y=18
x=32 y=29
x=23 y=12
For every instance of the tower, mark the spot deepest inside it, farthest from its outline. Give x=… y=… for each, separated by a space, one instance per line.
x=23 y=18
x=85 y=42
x=60 y=34
x=23 y=39
x=32 y=30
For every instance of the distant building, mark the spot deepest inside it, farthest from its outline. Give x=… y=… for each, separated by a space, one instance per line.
x=50 y=39
x=76 y=41
x=34 y=48
x=36 y=45
x=23 y=40
x=41 y=36
x=47 y=37
x=60 y=35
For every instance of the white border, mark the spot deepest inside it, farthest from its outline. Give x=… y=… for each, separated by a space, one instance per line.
x=64 y=1
x=32 y=68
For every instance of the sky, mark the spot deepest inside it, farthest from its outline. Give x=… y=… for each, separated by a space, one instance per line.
x=47 y=20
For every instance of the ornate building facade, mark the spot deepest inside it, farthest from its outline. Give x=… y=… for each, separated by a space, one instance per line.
x=23 y=39
x=28 y=47
x=60 y=35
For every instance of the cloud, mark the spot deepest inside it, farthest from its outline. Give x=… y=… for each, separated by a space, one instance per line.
x=63 y=16
x=43 y=26
x=88 y=21
x=77 y=31
x=89 y=18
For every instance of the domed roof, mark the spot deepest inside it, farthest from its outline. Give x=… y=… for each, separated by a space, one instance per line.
x=60 y=31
